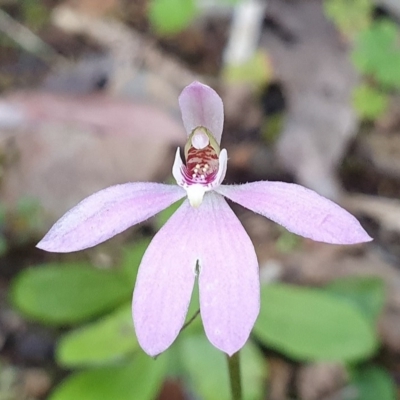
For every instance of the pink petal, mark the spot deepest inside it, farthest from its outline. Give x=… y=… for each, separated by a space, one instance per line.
x=107 y=213
x=201 y=106
x=165 y=282
x=299 y=210
x=228 y=278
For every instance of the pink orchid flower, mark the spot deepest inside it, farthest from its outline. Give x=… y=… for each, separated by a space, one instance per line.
x=204 y=238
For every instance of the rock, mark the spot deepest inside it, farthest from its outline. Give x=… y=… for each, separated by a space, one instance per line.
x=130 y=50
x=9 y=382
x=17 y=383
x=73 y=146
x=313 y=64
x=36 y=382
x=281 y=373
x=316 y=381
x=86 y=75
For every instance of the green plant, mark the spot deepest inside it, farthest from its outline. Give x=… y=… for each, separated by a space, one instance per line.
x=336 y=323
x=351 y=17
x=105 y=348
x=333 y=323
x=169 y=17
x=376 y=53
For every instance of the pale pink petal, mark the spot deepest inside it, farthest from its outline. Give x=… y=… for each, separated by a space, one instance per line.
x=228 y=278
x=107 y=213
x=299 y=210
x=165 y=281
x=201 y=106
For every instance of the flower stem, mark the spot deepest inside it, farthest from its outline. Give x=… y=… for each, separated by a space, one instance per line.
x=234 y=376
x=190 y=320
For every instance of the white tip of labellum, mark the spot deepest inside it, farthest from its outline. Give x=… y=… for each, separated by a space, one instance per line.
x=195 y=194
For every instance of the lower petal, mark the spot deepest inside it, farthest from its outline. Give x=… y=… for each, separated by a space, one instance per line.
x=299 y=210
x=165 y=282
x=228 y=277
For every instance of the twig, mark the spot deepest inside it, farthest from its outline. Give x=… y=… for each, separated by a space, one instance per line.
x=26 y=39
x=130 y=50
x=245 y=31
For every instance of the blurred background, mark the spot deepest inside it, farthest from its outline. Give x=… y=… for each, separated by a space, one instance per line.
x=88 y=98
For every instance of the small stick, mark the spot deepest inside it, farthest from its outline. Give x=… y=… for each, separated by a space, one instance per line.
x=26 y=39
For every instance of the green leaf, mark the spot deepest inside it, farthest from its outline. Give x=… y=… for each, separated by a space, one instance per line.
x=175 y=355
x=140 y=378
x=370 y=103
x=287 y=241
x=101 y=342
x=196 y=324
x=166 y=214
x=309 y=324
x=132 y=256
x=207 y=369
x=63 y=294
x=257 y=71
x=377 y=52
x=351 y=17
x=171 y=16
x=373 y=383
x=367 y=293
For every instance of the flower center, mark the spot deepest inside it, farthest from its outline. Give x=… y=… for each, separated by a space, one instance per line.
x=202 y=158
x=205 y=166
x=201 y=165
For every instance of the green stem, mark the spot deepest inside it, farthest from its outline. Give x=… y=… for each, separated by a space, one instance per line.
x=234 y=376
x=190 y=320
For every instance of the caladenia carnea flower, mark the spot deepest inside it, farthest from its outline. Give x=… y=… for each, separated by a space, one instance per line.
x=204 y=238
